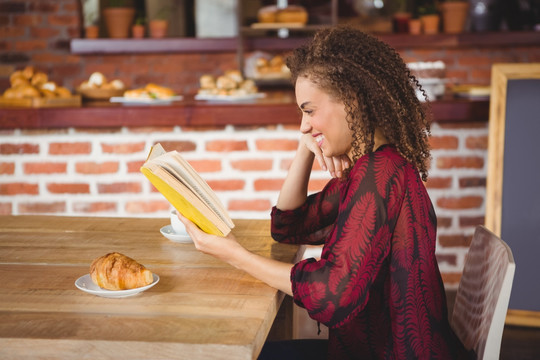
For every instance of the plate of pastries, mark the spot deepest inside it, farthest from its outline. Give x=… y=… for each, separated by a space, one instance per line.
x=98 y=87
x=231 y=86
x=265 y=68
x=116 y=275
x=30 y=87
x=148 y=94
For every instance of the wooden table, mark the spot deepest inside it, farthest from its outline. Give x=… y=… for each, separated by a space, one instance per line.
x=200 y=309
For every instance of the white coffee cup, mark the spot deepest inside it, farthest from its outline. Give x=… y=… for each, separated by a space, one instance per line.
x=176 y=224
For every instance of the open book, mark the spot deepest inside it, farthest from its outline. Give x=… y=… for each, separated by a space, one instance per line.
x=186 y=190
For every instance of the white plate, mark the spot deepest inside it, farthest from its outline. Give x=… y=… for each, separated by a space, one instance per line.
x=229 y=97
x=124 y=100
x=86 y=284
x=169 y=233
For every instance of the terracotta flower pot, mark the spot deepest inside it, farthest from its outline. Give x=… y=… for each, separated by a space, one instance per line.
x=430 y=23
x=137 y=31
x=118 y=21
x=158 y=28
x=415 y=27
x=454 y=16
x=91 y=32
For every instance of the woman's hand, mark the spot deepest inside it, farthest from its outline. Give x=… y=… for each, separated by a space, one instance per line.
x=217 y=246
x=335 y=165
x=295 y=187
x=227 y=249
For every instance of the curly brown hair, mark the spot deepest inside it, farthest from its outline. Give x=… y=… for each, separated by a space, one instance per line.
x=375 y=86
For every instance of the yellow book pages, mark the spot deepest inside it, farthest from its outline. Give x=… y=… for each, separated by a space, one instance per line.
x=175 y=164
x=184 y=205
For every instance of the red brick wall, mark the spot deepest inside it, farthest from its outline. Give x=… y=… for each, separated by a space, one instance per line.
x=77 y=172
x=38 y=33
x=96 y=173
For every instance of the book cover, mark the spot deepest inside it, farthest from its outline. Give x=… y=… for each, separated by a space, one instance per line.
x=182 y=186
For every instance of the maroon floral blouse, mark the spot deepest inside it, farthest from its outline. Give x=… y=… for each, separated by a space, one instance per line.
x=377 y=285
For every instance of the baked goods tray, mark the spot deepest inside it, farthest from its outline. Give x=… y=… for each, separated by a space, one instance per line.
x=100 y=94
x=72 y=101
x=477 y=92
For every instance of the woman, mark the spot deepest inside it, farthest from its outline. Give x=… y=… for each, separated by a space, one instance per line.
x=377 y=285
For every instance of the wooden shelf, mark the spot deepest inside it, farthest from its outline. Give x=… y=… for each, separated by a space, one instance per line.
x=399 y=41
x=165 y=45
x=278 y=107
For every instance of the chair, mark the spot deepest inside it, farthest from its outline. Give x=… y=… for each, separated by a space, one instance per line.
x=483 y=294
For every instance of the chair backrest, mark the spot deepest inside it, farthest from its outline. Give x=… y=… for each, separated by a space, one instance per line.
x=484 y=292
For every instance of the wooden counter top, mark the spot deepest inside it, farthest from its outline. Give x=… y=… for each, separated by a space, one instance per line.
x=278 y=107
x=201 y=308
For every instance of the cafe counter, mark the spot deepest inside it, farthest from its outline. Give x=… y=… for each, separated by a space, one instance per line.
x=277 y=107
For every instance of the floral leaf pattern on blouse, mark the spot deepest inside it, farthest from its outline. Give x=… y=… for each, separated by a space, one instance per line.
x=377 y=285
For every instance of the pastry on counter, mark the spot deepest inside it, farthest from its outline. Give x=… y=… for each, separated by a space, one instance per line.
x=30 y=83
x=22 y=92
x=39 y=78
x=274 y=67
x=150 y=91
x=98 y=87
x=207 y=82
x=262 y=66
x=231 y=83
x=99 y=81
x=96 y=79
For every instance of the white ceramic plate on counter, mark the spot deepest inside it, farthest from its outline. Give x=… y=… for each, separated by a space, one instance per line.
x=143 y=101
x=229 y=97
x=86 y=284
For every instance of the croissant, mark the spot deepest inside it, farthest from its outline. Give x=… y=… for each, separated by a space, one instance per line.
x=116 y=271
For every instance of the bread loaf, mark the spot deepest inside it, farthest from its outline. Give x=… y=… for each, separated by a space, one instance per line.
x=115 y=271
x=289 y=14
x=267 y=14
x=292 y=14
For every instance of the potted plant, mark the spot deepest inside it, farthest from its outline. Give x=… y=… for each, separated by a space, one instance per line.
x=401 y=17
x=454 y=15
x=429 y=17
x=159 y=25
x=91 y=18
x=91 y=31
x=119 y=16
x=138 y=28
x=415 y=26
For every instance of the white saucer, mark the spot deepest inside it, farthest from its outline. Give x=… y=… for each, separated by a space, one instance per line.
x=86 y=284
x=169 y=233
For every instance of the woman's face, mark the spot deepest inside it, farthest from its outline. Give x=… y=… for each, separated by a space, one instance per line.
x=323 y=118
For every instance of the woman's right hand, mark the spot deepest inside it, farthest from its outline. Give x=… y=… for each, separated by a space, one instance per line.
x=295 y=187
x=335 y=164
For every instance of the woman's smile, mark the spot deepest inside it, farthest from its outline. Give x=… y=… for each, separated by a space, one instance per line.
x=324 y=118
x=319 y=138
